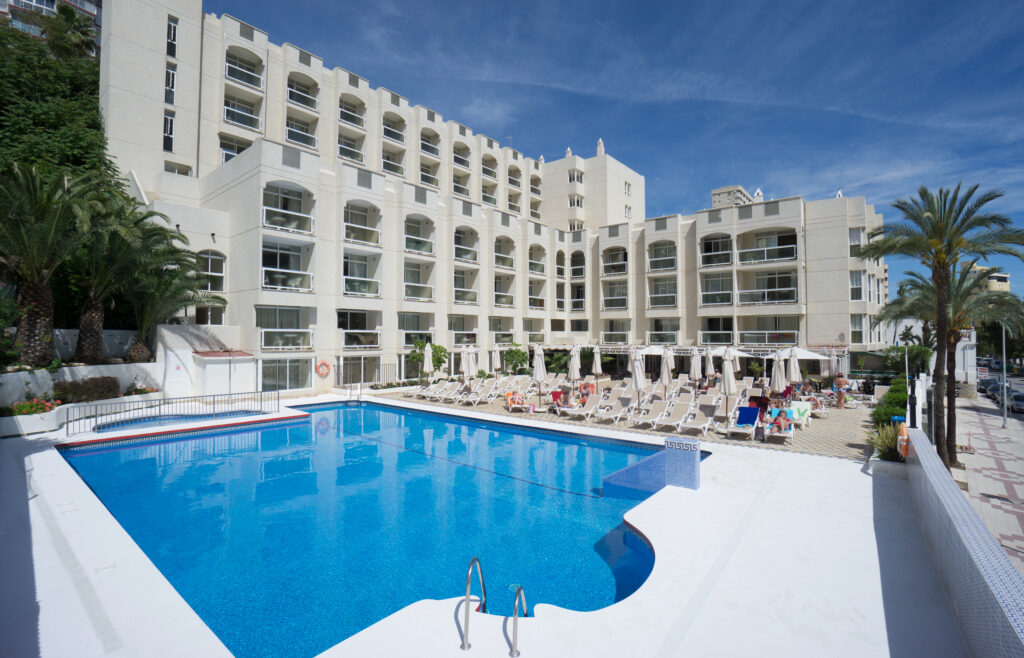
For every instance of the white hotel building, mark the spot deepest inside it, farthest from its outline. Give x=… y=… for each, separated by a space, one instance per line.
x=342 y=222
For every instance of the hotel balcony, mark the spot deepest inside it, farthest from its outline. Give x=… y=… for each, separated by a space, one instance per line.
x=350 y=117
x=503 y=299
x=504 y=261
x=392 y=167
x=719 y=298
x=428 y=179
x=466 y=254
x=535 y=267
x=661 y=264
x=409 y=338
x=716 y=338
x=460 y=160
x=428 y=148
x=241 y=118
x=716 y=258
x=460 y=189
x=350 y=153
x=535 y=189
x=300 y=137
x=394 y=134
x=463 y=338
x=662 y=337
x=578 y=271
x=286 y=339
x=355 y=286
x=514 y=182
x=766 y=254
x=419 y=245
x=614 y=337
x=534 y=213
x=535 y=302
x=286 y=220
x=666 y=300
x=615 y=303
x=361 y=234
x=465 y=296
x=419 y=292
x=489 y=199
x=247 y=78
x=490 y=172
x=502 y=337
x=514 y=207
x=617 y=268
x=768 y=337
x=768 y=296
x=360 y=340
x=559 y=304
x=301 y=99
x=289 y=280
x=578 y=305
x=535 y=338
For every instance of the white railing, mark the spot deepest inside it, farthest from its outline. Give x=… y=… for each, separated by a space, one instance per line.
x=427 y=147
x=534 y=213
x=350 y=117
x=535 y=338
x=502 y=337
x=661 y=337
x=419 y=245
x=716 y=298
x=766 y=254
x=535 y=189
x=504 y=260
x=362 y=234
x=429 y=179
x=614 y=337
x=489 y=198
x=292 y=280
x=578 y=305
x=503 y=299
x=361 y=287
x=578 y=271
x=296 y=136
x=768 y=296
x=460 y=189
x=241 y=118
x=465 y=296
x=286 y=339
x=286 y=220
x=419 y=291
x=514 y=182
x=716 y=338
x=663 y=263
x=393 y=167
x=360 y=340
x=662 y=300
x=460 y=160
x=490 y=172
x=247 y=78
x=712 y=258
x=409 y=338
x=535 y=302
x=768 y=337
x=513 y=206
x=465 y=253
x=350 y=153
x=560 y=271
x=616 y=268
x=464 y=338
x=300 y=98
x=535 y=266
x=615 y=303
x=394 y=134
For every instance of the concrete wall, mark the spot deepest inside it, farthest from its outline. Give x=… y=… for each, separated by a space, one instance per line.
x=115 y=342
x=40 y=382
x=985 y=591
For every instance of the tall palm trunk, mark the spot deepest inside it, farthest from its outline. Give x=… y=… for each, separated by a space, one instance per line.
x=941 y=280
x=89 y=348
x=35 y=327
x=951 y=401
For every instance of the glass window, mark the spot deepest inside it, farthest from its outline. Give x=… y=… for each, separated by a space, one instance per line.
x=857 y=328
x=168 y=130
x=282 y=257
x=352 y=320
x=356 y=215
x=172 y=36
x=856 y=286
x=356 y=265
x=278 y=317
x=856 y=241
x=212 y=265
x=169 y=82
x=579 y=325
x=210 y=315
x=285 y=374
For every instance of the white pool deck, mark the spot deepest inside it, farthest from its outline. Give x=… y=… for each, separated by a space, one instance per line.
x=777 y=554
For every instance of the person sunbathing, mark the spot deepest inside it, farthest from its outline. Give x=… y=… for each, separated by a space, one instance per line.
x=515 y=400
x=565 y=401
x=781 y=423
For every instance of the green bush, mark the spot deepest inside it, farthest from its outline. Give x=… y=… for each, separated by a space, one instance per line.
x=899 y=384
x=895 y=399
x=883 y=413
x=87 y=390
x=885 y=440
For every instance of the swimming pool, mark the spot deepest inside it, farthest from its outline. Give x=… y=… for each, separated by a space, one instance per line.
x=286 y=538
x=169 y=419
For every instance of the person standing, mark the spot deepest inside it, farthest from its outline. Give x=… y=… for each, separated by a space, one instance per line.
x=842 y=384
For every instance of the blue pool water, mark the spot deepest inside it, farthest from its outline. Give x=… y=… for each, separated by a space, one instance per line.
x=287 y=538
x=168 y=419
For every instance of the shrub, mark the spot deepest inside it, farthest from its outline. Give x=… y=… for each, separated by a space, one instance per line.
x=87 y=390
x=885 y=440
x=33 y=406
x=883 y=413
x=136 y=389
x=899 y=385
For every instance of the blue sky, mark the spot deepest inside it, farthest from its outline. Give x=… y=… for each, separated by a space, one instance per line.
x=794 y=97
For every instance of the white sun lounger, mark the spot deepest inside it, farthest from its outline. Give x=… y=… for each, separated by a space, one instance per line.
x=703 y=416
x=657 y=410
x=619 y=408
x=586 y=411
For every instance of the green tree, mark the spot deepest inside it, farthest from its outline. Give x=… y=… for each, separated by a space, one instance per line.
x=516 y=358
x=940 y=230
x=69 y=34
x=45 y=217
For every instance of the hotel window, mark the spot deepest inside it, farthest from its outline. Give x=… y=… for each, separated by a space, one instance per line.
x=210 y=315
x=172 y=36
x=285 y=374
x=628 y=189
x=575 y=225
x=857 y=328
x=281 y=257
x=356 y=265
x=579 y=325
x=353 y=320
x=856 y=286
x=575 y=176
x=771 y=208
x=575 y=201
x=413 y=273
x=169 y=79
x=628 y=212
x=168 y=130
x=856 y=241
x=871 y=287
x=175 y=168
x=230 y=147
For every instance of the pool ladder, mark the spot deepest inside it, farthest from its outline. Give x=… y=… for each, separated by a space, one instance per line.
x=520 y=596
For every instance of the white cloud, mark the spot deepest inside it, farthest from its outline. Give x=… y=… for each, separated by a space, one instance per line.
x=485 y=114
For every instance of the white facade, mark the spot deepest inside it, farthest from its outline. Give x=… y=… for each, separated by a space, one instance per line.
x=343 y=223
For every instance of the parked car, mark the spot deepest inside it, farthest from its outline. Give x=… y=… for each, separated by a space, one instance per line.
x=1017 y=402
x=985 y=382
x=995 y=391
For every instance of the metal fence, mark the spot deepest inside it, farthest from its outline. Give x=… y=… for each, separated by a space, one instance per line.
x=128 y=412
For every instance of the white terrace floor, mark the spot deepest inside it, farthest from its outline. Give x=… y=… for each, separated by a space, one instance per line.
x=778 y=554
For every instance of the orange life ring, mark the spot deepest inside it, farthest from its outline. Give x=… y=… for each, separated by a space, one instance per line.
x=323 y=368
x=904 y=441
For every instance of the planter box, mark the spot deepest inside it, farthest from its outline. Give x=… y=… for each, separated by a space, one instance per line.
x=53 y=420
x=895 y=469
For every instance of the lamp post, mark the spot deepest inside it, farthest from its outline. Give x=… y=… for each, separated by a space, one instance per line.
x=1003 y=393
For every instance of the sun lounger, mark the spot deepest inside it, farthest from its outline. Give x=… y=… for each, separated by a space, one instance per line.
x=461 y=389
x=773 y=432
x=747 y=382
x=415 y=392
x=801 y=413
x=517 y=402
x=429 y=390
x=657 y=410
x=817 y=411
x=479 y=393
x=587 y=410
x=703 y=416
x=619 y=408
x=444 y=391
x=745 y=424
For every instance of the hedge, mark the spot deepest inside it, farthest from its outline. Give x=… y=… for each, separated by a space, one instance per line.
x=87 y=390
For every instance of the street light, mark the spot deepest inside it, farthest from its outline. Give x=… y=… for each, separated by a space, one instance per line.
x=1004 y=382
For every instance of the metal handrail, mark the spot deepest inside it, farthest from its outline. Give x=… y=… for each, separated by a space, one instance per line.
x=520 y=594
x=483 y=599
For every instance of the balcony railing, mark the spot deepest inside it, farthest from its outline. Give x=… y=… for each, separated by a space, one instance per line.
x=461 y=160
x=513 y=206
x=419 y=291
x=616 y=303
x=716 y=338
x=489 y=198
x=240 y=118
x=360 y=287
x=767 y=254
x=297 y=136
x=560 y=271
x=535 y=302
x=578 y=305
x=360 y=340
x=661 y=337
x=419 y=245
x=490 y=172
x=662 y=300
x=503 y=299
x=768 y=296
x=617 y=268
x=535 y=338
x=465 y=296
x=363 y=234
x=504 y=260
x=350 y=117
x=350 y=153
x=712 y=258
x=427 y=147
x=716 y=298
x=286 y=339
x=514 y=182
x=394 y=134
x=299 y=98
x=286 y=220
x=578 y=271
x=534 y=213
x=247 y=78
x=535 y=266
x=464 y=337
x=465 y=253
x=393 y=167
x=614 y=337
x=275 y=279
x=535 y=189
x=410 y=337
x=502 y=337
x=768 y=337
x=460 y=189
x=429 y=179
x=663 y=263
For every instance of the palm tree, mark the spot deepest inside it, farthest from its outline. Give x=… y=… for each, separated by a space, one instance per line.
x=108 y=261
x=169 y=280
x=69 y=33
x=44 y=218
x=940 y=230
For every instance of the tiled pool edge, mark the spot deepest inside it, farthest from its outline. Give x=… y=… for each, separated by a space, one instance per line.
x=985 y=591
